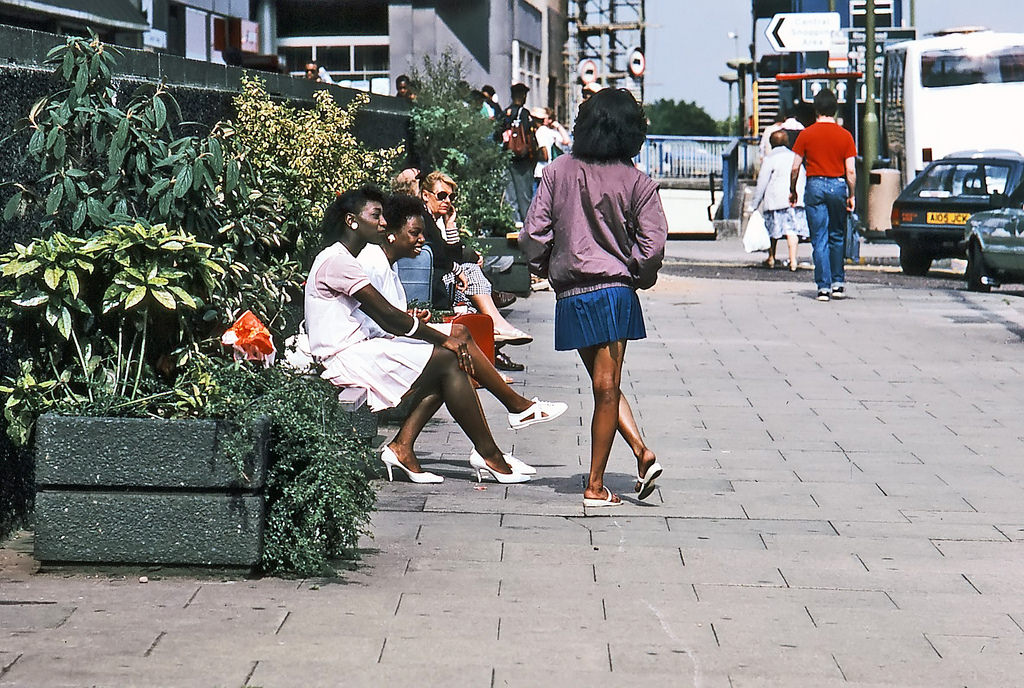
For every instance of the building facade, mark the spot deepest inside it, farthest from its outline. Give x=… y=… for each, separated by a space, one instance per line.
x=366 y=44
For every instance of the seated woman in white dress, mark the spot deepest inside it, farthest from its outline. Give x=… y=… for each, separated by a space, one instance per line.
x=409 y=360
x=404 y=238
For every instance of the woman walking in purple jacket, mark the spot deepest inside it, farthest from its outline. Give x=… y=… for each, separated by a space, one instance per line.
x=596 y=231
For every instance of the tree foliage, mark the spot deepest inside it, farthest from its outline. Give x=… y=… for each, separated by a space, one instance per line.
x=451 y=134
x=680 y=119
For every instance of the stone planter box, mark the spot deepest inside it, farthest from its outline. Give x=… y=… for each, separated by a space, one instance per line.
x=146 y=491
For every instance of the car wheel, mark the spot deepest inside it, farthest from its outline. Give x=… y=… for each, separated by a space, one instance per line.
x=914 y=262
x=976 y=269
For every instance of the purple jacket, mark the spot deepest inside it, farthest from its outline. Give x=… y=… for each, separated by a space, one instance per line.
x=594 y=225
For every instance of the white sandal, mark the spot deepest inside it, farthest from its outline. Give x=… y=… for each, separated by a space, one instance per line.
x=539 y=412
x=595 y=502
x=645 y=483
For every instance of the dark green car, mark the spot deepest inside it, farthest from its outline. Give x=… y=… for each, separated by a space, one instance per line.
x=930 y=215
x=994 y=241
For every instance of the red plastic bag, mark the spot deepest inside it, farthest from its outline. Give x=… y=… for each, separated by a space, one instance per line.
x=250 y=340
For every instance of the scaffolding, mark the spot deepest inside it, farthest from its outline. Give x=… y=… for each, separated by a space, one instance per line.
x=605 y=32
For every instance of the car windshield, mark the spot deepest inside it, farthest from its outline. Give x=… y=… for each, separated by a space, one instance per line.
x=962 y=179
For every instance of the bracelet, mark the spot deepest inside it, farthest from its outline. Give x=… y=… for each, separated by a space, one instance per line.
x=415 y=326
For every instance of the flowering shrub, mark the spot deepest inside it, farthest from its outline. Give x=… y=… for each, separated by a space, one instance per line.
x=307 y=154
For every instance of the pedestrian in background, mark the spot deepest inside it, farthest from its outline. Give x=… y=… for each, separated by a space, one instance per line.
x=490 y=107
x=519 y=138
x=828 y=153
x=597 y=231
x=772 y=193
x=551 y=136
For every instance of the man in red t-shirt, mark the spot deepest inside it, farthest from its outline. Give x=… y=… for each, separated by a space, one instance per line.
x=829 y=154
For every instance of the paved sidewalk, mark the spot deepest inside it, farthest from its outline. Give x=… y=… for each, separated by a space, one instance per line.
x=842 y=506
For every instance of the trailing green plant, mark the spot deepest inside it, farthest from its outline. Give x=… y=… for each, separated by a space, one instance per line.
x=318 y=495
x=451 y=134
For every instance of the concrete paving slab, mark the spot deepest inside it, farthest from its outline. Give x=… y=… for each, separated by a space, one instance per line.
x=837 y=508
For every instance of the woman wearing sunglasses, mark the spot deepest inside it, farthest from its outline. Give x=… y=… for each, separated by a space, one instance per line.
x=407 y=360
x=465 y=277
x=597 y=231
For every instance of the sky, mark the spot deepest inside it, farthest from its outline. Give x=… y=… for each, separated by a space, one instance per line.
x=688 y=40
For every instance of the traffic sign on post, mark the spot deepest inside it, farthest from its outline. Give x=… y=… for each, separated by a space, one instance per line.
x=802 y=31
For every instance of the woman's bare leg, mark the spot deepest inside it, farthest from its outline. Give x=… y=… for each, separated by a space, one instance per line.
x=628 y=428
x=605 y=368
x=443 y=376
x=402 y=444
x=488 y=376
x=485 y=304
x=792 y=240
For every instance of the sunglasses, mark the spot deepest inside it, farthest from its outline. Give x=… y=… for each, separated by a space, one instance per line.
x=442 y=195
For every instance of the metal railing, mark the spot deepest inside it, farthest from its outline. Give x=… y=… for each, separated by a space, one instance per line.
x=693 y=157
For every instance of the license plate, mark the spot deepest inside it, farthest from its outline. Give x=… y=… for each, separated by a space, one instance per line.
x=947 y=218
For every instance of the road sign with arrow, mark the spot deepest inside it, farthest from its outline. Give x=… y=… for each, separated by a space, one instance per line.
x=799 y=32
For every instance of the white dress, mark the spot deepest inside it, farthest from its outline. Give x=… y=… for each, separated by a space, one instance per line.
x=385 y=366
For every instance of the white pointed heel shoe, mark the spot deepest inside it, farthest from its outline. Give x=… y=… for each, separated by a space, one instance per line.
x=519 y=466
x=478 y=463
x=391 y=461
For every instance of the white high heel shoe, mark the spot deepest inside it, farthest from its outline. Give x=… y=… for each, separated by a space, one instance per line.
x=519 y=466
x=391 y=461
x=478 y=463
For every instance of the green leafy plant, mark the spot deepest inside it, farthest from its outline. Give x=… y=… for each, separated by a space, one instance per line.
x=452 y=135
x=318 y=496
x=306 y=155
x=150 y=245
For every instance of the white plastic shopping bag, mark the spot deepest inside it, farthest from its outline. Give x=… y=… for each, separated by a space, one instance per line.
x=755 y=238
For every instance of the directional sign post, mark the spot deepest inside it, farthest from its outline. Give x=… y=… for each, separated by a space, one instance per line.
x=802 y=31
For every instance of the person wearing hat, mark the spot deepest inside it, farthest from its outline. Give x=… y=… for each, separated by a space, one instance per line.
x=591 y=88
x=517 y=120
x=552 y=138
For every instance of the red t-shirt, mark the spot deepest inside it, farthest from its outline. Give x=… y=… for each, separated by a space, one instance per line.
x=825 y=146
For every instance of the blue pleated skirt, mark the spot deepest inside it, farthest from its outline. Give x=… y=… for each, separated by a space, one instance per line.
x=598 y=317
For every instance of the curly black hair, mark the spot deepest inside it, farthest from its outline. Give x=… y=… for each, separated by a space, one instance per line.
x=610 y=126
x=399 y=208
x=332 y=227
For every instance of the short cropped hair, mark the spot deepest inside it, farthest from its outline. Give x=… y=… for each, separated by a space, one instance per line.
x=610 y=125
x=825 y=103
x=399 y=208
x=438 y=176
x=333 y=227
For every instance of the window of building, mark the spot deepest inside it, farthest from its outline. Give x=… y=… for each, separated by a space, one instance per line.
x=526 y=69
x=360 y=62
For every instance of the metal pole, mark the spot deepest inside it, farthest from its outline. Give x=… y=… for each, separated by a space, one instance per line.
x=741 y=107
x=870 y=128
x=913 y=12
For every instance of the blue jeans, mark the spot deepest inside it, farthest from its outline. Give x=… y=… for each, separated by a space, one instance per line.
x=825 y=201
x=521 y=173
